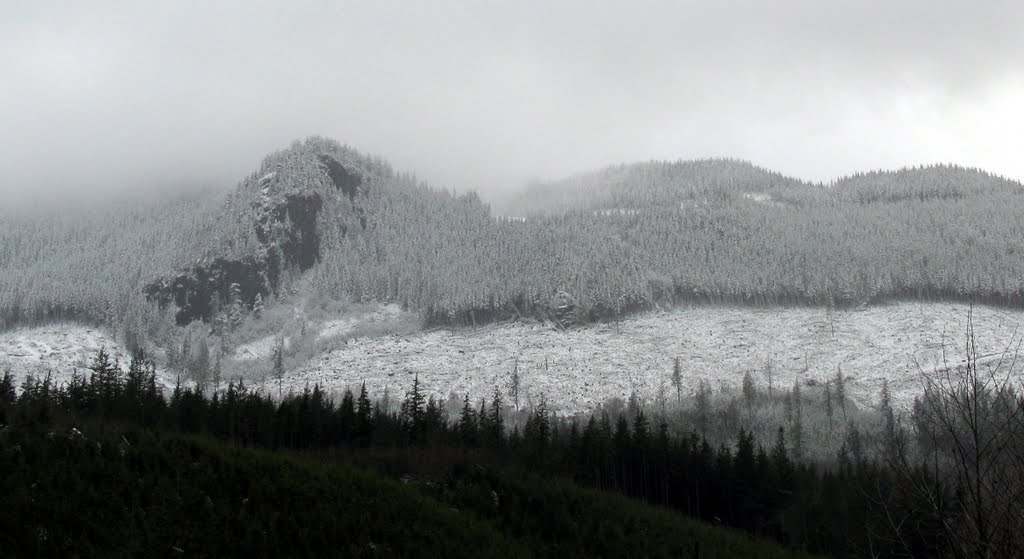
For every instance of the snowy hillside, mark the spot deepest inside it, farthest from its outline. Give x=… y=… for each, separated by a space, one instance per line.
x=61 y=350
x=580 y=368
x=577 y=369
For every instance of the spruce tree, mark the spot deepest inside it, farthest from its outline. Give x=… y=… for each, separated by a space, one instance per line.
x=467 y=423
x=7 y=396
x=216 y=375
x=201 y=366
x=841 y=391
x=184 y=357
x=514 y=384
x=677 y=381
x=257 y=307
x=890 y=440
x=413 y=409
x=749 y=389
x=277 y=365
x=347 y=416
x=496 y=422
x=236 y=307
x=703 y=405
x=364 y=419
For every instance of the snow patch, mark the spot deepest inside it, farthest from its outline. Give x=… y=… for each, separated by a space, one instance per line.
x=61 y=350
x=345 y=326
x=762 y=198
x=260 y=349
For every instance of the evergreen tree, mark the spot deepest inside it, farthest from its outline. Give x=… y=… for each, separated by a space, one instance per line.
x=217 y=374
x=749 y=389
x=8 y=396
x=661 y=400
x=277 y=365
x=7 y=392
x=633 y=404
x=347 y=416
x=703 y=405
x=797 y=430
x=484 y=424
x=184 y=356
x=236 y=307
x=641 y=428
x=105 y=384
x=467 y=423
x=364 y=419
x=495 y=421
x=780 y=457
x=677 y=381
x=412 y=413
x=514 y=384
x=200 y=366
x=841 y=391
x=257 y=307
x=890 y=442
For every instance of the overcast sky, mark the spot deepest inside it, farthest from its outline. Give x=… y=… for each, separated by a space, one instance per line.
x=474 y=94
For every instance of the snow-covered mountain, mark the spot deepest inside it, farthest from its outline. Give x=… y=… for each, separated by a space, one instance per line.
x=322 y=249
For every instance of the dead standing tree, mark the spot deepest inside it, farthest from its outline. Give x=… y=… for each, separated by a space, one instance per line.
x=970 y=434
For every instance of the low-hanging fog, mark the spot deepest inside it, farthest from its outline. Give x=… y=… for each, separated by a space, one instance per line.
x=127 y=96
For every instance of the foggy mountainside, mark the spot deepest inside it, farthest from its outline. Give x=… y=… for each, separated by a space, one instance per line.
x=507 y=362
x=560 y=279
x=590 y=247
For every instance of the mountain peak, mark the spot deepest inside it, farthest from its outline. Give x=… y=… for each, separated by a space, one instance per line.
x=275 y=220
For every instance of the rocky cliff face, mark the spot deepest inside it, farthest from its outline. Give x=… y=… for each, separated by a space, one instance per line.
x=283 y=205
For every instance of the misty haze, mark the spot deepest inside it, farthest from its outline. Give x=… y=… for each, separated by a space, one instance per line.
x=579 y=279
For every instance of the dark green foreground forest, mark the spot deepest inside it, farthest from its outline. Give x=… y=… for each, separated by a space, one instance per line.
x=131 y=492
x=107 y=472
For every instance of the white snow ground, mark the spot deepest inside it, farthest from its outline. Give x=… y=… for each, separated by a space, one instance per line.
x=61 y=350
x=577 y=369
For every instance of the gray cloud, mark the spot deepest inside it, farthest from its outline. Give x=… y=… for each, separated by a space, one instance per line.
x=137 y=95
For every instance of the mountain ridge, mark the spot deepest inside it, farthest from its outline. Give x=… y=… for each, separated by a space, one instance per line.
x=715 y=230
x=685 y=181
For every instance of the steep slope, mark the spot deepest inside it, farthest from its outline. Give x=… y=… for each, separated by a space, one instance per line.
x=88 y=263
x=276 y=220
x=322 y=218
x=110 y=263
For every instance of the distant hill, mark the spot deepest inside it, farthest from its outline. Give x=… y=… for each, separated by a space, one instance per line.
x=325 y=220
x=654 y=184
x=682 y=184
x=935 y=182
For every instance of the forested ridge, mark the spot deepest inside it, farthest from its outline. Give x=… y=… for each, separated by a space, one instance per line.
x=591 y=247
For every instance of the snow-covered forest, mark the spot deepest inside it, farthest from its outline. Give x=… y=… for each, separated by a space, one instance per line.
x=609 y=242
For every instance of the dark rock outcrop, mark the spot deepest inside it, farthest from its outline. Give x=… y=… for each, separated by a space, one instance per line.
x=344 y=180
x=293 y=189
x=291 y=227
x=198 y=291
x=287 y=231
